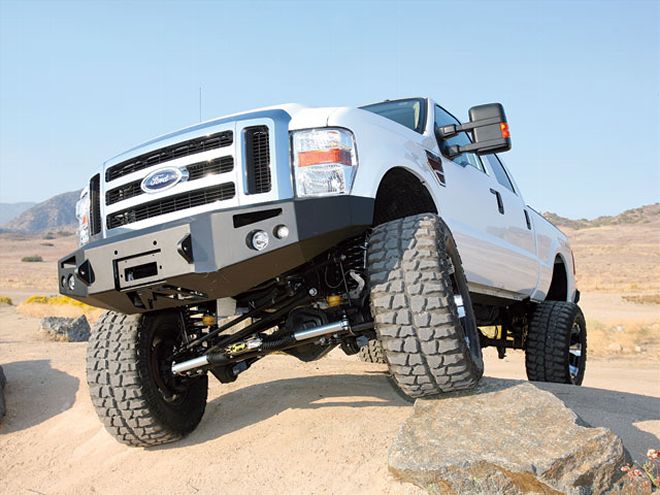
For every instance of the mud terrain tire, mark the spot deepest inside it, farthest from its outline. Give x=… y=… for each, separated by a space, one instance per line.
x=129 y=398
x=415 y=272
x=556 y=331
x=372 y=352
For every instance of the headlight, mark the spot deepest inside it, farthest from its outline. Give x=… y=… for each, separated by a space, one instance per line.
x=324 y=161
x=82 y=213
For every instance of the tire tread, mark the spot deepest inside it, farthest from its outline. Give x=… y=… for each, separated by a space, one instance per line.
x=414 y=310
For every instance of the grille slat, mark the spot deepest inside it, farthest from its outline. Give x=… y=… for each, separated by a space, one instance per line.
x=95 y=204
x=257 y=150
x=185 y=148
x=171 y=204
x=218 y=166
x=195 y=171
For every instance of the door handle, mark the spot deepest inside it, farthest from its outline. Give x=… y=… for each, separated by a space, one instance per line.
x=500 y=204
x=527 y=220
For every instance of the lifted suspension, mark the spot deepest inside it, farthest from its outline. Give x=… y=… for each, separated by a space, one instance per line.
x=258 y=346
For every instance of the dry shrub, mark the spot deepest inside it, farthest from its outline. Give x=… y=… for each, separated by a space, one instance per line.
x=5 y=300
x=32 y=259
x=625 y=338
x=39 y=306
x=643 y=299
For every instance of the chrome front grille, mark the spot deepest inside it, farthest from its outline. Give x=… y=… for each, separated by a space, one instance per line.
x=95 y=205
x=232 y=165
x=257 y=159
x=195 y=171
x=171 y=204
x=169 y=153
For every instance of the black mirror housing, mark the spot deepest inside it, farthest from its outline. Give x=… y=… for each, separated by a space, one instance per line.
x=489 y=128
x=490 y=137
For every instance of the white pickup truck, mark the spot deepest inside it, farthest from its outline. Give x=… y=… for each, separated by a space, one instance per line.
x=391 y=230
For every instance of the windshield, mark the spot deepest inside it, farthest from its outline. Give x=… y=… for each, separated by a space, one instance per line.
x=409 y=113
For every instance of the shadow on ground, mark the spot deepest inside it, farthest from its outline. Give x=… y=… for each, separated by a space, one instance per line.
x=35 y=392
x=255 y=403
x=243 y=407
x=618 y=411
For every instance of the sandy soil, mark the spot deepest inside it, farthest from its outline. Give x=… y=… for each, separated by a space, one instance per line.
x=19 y=279
x=283 y=427
x=290 y=427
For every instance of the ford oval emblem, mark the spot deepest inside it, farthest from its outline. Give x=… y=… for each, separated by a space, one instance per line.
x=162 y=179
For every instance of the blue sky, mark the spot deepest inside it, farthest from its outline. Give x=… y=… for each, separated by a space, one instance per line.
x=82 y=81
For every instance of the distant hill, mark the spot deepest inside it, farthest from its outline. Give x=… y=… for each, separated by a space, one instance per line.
x=56 y=213
x=9 y=211
x=641 y=215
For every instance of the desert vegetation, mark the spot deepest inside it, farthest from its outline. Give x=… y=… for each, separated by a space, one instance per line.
x=40 y=306
x=35 y=258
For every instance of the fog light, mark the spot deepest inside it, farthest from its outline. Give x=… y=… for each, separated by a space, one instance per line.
x=258 y=240
x=71 y=282
x=281 y=231
x=63 y=282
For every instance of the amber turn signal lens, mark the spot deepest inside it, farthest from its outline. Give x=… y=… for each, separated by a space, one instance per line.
x=504 y=128
x=317 y=157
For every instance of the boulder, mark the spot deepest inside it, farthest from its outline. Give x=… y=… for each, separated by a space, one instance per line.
x=66 y=329
x=3 y=382
x=504 y=437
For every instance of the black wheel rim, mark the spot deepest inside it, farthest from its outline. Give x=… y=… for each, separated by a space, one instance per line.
x=576 y=353
x=170 y=386
x=465 y=318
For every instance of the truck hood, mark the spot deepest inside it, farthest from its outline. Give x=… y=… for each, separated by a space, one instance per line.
x=302 y=117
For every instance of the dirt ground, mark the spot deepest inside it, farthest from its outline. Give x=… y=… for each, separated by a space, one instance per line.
x=290 y=427
x=283 y=427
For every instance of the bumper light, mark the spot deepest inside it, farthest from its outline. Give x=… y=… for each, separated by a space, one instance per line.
x=71 y=282
x=281 y=231
x=324 y=161
x=258 y=240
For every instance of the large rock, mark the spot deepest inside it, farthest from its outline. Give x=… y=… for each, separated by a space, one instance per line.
x=504 y=437
x=66 y=329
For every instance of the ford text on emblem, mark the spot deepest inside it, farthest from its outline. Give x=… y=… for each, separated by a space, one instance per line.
x=162 y=179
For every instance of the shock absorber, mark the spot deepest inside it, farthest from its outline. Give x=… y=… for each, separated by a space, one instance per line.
x=258 y=345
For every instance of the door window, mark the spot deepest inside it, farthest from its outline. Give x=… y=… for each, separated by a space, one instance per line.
x=500 y=173
x=444 y=118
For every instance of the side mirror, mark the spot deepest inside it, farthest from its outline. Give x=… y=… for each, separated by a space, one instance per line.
x=489 y=128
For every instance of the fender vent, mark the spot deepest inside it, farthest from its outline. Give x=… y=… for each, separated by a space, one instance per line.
x=435 y=162
x=257 y=159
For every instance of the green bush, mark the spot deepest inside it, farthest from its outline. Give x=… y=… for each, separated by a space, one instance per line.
x=32 y=259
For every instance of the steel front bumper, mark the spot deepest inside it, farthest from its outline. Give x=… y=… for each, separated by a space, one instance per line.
x=207 y=256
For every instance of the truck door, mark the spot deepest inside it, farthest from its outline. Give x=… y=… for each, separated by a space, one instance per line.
x=515 y=230
x=470 y=210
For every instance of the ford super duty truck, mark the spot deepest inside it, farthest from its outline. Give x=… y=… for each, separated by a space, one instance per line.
x=391 y=228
